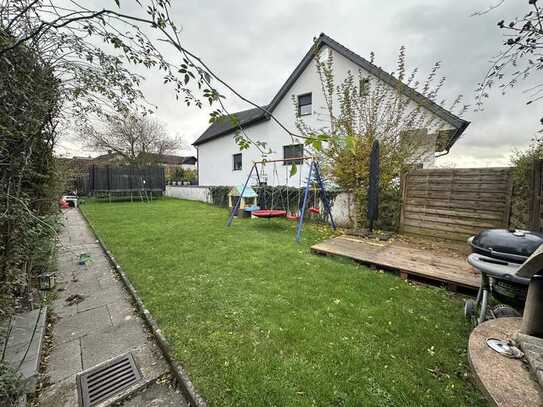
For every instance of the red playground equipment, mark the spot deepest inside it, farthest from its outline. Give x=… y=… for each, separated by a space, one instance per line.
x=269 y=213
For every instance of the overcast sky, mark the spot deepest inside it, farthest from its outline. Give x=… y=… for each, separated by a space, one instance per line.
x=255 y=45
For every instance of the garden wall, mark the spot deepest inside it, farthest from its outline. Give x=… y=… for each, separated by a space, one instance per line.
x=190 y=192
x=343 y=209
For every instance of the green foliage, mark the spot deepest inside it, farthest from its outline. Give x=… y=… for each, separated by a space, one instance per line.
x=279 y=197
x=389 y=208
x=257 y=320
x=29 y=182
x=522 y=162
x=179 y=174
x=219 y=196
x=189 y=175
x=11 y=385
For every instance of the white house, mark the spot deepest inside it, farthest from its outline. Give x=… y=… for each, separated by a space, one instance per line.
x=220 y=161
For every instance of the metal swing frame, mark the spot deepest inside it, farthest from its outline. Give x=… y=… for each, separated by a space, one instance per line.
x=314 y=174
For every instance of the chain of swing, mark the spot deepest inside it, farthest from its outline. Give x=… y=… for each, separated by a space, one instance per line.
x=285 y=198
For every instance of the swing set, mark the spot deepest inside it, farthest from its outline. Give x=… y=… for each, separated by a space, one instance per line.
x=314 y=177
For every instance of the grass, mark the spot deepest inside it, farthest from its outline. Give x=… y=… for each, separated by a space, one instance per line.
x=258 y=320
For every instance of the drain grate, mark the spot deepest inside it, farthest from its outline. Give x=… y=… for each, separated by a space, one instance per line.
x=101 y=382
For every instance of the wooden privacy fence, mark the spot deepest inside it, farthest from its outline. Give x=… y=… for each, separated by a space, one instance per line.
x=455 y=203
x=535 y=208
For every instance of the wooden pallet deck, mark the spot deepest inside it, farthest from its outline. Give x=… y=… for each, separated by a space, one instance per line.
x=441 y=266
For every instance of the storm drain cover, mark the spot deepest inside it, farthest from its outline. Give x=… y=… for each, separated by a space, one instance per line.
x=101 y=382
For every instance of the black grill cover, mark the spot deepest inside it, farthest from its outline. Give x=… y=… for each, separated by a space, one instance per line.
x=509 y=245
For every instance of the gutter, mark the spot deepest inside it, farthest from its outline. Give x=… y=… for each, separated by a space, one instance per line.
x=454 y=139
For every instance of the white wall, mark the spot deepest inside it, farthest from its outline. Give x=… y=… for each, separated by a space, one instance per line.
x=343 y=209
x=215 y=157
x=192 y=193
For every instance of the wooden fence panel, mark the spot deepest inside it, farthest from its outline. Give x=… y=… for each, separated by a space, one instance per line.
x=455 y=203
x=536 y=203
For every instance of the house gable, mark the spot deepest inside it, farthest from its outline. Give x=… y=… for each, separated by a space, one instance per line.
x=258 y=114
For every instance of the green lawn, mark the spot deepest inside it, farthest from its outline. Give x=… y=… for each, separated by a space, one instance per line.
x=257 y=320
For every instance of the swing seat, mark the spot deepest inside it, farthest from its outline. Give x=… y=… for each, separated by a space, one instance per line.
x=315 y=210
x=292 y=216
x=269 y=213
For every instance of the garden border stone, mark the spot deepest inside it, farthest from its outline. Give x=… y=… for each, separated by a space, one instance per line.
x=189 y=390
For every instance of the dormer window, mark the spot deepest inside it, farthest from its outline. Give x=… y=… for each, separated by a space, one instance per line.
x=304 y=104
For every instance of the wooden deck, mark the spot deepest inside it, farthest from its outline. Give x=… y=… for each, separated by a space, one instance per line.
x=409 y=258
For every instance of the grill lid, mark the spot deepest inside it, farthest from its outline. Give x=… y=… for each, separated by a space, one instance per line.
x=511 y=245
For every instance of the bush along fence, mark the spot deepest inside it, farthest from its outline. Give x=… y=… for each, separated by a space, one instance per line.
x=30 y=184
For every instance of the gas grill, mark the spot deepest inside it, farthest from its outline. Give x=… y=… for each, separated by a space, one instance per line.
x=505 y=259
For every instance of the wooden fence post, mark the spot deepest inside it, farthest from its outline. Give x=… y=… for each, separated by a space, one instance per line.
x=534 y=206
x=508 y=200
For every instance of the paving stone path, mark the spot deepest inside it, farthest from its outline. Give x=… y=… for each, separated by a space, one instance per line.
x=24 y=343
x=103 y=325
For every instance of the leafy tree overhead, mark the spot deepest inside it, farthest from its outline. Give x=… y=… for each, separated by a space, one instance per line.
x=93 y=51
x=519 y=58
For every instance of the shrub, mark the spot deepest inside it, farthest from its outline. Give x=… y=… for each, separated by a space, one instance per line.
x=11 y=385
x=219 y=196
x=30 y=182
x=522 y=162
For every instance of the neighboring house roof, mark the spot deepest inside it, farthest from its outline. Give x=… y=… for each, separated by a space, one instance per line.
x=256 y=115
x=170 y=159
x=110 y=156
x=167 y=159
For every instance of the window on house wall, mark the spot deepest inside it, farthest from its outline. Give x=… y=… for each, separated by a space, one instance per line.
x=293 y=151
x=304 y=104
x=236 y=162
x=363 y=87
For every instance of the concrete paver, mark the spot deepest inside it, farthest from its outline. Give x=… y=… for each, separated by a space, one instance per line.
x=73 y=327
x=65 y=361
x=156 y=395
x=24 y=344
